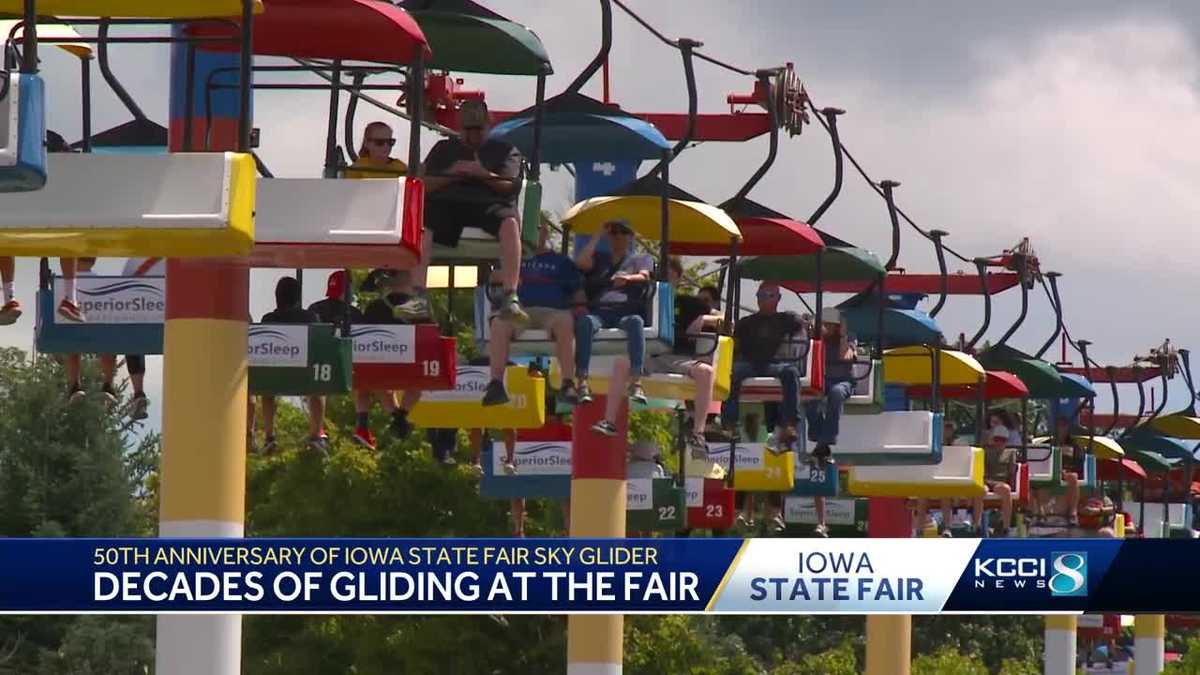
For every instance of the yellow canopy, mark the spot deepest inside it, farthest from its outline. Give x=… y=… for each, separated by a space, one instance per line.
x=1102 y=447
x=914 y=366
x=131 y=9
x=57 y=31
x=1178 y=425
x=691 y=222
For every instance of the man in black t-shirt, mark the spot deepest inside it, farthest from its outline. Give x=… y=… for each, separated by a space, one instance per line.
x=333 y=308
x=288 y=310
x=471 y=181
x=757 y=341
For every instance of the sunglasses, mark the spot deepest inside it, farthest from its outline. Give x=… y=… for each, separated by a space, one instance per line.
x=389 y=142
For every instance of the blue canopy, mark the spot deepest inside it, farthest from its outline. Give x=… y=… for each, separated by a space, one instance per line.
x=901 y=327
x=577 y=128
x=1076 y=386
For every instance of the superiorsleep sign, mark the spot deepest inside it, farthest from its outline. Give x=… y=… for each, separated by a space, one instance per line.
x=565 y=576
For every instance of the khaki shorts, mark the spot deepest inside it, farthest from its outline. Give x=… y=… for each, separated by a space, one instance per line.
x=540 y=318
x=679 y=364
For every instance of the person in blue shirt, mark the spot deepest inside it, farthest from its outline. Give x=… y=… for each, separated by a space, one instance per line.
x=551 y=292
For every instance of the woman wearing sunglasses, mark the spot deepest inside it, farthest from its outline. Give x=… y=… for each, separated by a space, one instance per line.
x=374 y=157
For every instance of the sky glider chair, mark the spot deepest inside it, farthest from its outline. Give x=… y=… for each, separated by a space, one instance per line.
x=655 y=504
x=542 y=457
x=454 y=408
x=663 y=389
x=814 y=480
x=125 y=316
x=756 y=469
x=323 y=223
x=710 y=503
x=959 y=474
x=298 y=360
x=177 y=205
x=388 y=357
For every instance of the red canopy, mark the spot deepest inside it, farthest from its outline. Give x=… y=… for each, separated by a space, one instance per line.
x=958 y=283
x=1125 y=469
x=1124 y=374
x=999 y=384
x=762 y=236
x=358 y=30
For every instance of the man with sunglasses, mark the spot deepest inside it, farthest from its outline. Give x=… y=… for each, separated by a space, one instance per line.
x=375 y=156
x=473 y=181
x=757 y=342
x=616 y=284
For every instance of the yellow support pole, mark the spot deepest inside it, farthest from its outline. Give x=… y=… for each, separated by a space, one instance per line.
x=889 y=644
x=1149 y=634
x=1061 y=640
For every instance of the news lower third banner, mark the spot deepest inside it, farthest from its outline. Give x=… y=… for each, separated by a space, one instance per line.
x=497 y=576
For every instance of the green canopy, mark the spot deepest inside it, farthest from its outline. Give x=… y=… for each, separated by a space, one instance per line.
x=1042 y=380
x=1146 y=439
x=1152 y=462
x=840 y=261
x=467 y=37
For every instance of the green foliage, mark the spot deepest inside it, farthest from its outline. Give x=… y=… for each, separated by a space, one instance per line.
x=947 y=661
x=70 y=470
x=1020 y=667
x=842 y=660
x=683 y=645
x=991 y=639
x=1189 y=663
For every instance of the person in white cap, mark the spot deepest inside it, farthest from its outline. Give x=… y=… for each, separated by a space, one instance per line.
x=824 y=420
x=643 y=461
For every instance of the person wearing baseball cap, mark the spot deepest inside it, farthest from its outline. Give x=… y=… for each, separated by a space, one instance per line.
x=474 y=181
x=617 y=283
x=824 y=421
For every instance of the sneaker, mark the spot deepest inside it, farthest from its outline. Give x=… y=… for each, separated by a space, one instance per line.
x=70 y=311
x=364 y=437
x=270 y=447
x=744 y=522
x=568 y=394
x=414 y=310
x=823 y=453
x=510 y=469
x=448 y=461
x=584 y=393
x=637 y=394
x=76 y=394
x=698 y=446
x=776 y=525
x=139 y=406
x=110 y=394
x=510 y=310
x=10 y=312
x=605 y=428
x=946 y=533
x=319 y=444
x=495 y=394
x=400 y=425
x=821 y=531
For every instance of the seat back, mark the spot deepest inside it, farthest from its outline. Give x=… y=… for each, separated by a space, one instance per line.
x=815 y=480
x=1045 y=466
x=454 y=408
x=171 y=205
x=125 y=316
x=654 y=504
x=710 y=504
x=757 y=469
x=398 y=356
x=900 y=437
x=543 y=470
x=298 y=360
x=959 y=474
x=867 y=396
x=845 y=517
x=22 y=132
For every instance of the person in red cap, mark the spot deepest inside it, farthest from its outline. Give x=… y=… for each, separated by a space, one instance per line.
x=334 y=308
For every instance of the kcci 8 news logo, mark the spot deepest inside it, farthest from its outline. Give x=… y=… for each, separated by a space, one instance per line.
x=1064 y=573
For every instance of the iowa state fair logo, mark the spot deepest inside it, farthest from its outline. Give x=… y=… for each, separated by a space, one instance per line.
x=535 y=458
x=277 y=346
x=133 y=300
x=384 y=343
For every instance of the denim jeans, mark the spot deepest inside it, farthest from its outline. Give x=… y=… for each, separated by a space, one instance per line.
x=788 y=375
x=586 y=327
x=823 y=428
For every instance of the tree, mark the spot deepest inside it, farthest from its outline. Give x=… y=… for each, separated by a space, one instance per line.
x=947 y=661
x=1189 y=663
x=70 y=470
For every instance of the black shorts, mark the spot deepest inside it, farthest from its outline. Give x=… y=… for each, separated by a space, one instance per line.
x=447 y=218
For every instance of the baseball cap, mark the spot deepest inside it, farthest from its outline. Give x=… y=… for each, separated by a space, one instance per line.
x=620 y=225
x=335 y=286
x=473 y=114
x=644 y=450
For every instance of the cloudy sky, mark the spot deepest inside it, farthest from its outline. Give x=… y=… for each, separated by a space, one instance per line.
x=1075 y=124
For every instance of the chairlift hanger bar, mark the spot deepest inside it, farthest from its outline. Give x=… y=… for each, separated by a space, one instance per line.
x=402 y=114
